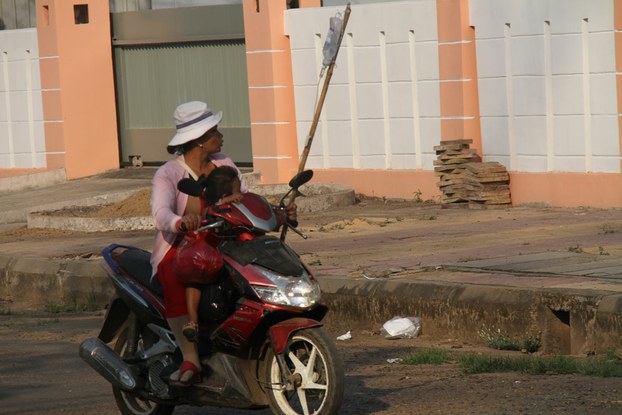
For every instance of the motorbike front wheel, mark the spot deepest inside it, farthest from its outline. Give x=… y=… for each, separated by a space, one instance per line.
x=315 y=382
x=128 y=403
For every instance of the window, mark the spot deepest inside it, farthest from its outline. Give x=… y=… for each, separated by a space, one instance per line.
x=81 y=13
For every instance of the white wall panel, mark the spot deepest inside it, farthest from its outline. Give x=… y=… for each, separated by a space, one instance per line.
x=531 y=163
x=565 y=54
x=402 y=128
x=567 y=94
x=339 y=143
x=369 y=101
x=488 y=62
x=305 y=74
x=367 y=63
x=603 y=99
x=530 y=135
x=396 y=70
x=570 y=164
x=582 y=60
x=568 y=140
x=401 y=100
x=604 y=138
x=427 y=60
x=430 y=100
x=389 y=59
x=337 y=104
x=529 y=96
x=497 y=102
x=529 y=51
x=22 y=141
x=600 y=46
x=495 y=140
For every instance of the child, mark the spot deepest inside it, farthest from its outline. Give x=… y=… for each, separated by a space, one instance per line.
x=222 y=186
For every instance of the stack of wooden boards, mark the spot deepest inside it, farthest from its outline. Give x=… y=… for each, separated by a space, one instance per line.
x=467 y=183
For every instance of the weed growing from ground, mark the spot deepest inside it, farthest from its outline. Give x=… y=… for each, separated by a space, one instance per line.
x=500 y=340
x=575 y=248
x=608 y=228
x=601 y=251
x=73 y=306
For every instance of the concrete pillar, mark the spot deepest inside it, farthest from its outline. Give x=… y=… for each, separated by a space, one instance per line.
x=271 y=89
x=458 y=73
x=79 y=109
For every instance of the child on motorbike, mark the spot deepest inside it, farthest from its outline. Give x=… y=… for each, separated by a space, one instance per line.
x=221 y=186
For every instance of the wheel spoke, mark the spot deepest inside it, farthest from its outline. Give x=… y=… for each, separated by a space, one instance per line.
x=302 y=397
x=306 y=371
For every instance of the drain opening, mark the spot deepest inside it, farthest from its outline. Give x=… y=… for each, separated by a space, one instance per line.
x=558 y=338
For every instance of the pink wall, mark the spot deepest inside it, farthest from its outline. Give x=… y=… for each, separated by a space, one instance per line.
x=271 y=89
x=78 y=87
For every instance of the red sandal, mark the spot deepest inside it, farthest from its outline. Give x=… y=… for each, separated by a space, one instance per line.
x=187 y=366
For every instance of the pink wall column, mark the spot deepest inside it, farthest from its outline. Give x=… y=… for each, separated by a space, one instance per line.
x=77 y=84
x=271 y=89
x=458 y=73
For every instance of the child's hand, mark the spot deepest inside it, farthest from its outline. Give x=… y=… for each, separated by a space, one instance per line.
x=235 y=197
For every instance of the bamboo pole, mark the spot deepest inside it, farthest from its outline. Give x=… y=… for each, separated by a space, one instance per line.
x=320 y=103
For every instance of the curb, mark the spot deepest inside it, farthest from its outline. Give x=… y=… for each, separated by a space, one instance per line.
x=32 y=282
x=33 y=180
x=569 y=321
x=21 y=215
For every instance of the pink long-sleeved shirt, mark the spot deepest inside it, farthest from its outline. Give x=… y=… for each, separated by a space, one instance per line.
x=168 y=204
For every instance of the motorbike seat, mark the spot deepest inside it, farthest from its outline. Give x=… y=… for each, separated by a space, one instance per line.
x=136 y=262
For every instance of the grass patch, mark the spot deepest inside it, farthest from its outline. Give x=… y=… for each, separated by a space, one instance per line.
x=428 y=357
x=607 y=365
x=5 y=311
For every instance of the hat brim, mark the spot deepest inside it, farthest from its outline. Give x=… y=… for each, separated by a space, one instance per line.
x=196 y=130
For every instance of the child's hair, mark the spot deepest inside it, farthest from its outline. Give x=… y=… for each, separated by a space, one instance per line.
x=219 y=183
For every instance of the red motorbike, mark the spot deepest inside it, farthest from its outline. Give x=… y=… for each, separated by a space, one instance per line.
x=261 y=341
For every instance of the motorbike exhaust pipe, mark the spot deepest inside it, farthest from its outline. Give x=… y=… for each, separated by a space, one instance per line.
x=108 y=364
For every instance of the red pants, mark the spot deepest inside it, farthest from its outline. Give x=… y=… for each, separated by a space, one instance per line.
x=174 y=290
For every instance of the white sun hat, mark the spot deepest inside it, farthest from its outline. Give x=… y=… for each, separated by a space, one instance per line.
x=192 y=120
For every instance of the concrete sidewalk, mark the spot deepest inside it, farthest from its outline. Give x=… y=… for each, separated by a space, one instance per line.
x=573 y=299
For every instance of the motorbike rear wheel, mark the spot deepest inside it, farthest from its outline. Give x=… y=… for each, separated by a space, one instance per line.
x=128 y=403
x=316 y=379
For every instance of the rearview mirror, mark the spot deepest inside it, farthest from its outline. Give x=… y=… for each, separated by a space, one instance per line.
x=300 y=179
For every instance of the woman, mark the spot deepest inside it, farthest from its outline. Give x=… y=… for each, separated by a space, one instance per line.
x=197 y=144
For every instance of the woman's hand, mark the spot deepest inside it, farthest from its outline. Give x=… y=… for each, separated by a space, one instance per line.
x=188 y=222
x=291 y=211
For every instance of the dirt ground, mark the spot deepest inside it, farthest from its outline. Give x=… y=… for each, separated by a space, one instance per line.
x=373 y=238
x=47 y=344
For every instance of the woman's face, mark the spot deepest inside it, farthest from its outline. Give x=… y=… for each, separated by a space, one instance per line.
x=212 y=141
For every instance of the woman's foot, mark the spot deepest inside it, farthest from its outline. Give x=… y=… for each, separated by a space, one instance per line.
x=191 y=331
x=187 y=375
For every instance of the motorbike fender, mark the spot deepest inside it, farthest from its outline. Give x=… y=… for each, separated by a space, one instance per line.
x=116 y=316
x=281 y=332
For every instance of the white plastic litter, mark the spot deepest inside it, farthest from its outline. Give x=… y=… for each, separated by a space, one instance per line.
x=402 y=327
x=346 y=336
x=332 y=39
x=394 y=360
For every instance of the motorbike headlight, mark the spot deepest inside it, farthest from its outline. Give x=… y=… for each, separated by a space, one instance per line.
x=302 y=292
